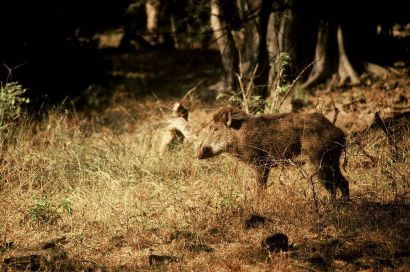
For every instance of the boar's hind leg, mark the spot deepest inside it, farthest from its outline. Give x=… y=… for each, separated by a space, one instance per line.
x=330 y=175
x=337 y=177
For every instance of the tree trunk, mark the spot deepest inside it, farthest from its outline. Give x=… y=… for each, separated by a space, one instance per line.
x=226 y=45
x=333 y=59
x=273 y=45
x=322 y=68
x=289 y=35
x=248 y=37
x=152 y=11
x=261 y=81
x=288 y=30
x=345 y=68
x=159 y=27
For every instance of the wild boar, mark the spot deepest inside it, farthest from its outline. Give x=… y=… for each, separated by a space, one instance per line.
x=178 y=129
x=269 y=140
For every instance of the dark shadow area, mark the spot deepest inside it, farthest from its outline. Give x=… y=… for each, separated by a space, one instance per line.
x=49 y=46
x=163 y=73
x=53 y=49
x=375 y=236
x=52 y=75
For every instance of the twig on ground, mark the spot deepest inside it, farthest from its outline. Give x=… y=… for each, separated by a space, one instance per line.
x=336 y=109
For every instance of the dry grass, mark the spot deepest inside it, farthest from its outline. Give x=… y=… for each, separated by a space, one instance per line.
x=118 y=201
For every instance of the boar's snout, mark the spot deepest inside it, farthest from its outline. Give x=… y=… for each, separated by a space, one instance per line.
x=204 y=152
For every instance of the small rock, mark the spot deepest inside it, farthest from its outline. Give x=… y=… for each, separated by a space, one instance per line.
x=254 y=221
x=213 y=231
x=276 y=242
x=181 y=234
x=161 y=259
x=199 y=248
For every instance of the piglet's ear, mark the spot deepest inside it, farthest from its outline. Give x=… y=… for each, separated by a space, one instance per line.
x=235 y=118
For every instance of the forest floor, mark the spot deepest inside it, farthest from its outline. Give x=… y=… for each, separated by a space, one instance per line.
x=90 y=191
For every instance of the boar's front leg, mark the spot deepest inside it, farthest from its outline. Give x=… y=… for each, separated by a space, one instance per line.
x=262 y=174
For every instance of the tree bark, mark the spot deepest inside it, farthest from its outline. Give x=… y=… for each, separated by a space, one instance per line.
x=261 y=81
x=226 y=44
x=248 y=37
x=290 y=33
x=273 y=43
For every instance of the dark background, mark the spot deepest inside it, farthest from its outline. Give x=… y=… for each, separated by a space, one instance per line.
x=49 y=46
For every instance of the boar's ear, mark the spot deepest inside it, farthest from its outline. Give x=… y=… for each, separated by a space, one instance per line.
x=235 y=118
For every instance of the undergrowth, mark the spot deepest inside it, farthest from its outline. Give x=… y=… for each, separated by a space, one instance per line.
x=118 y=200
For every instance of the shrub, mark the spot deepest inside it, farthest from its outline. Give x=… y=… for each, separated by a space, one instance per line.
x=11 y=102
